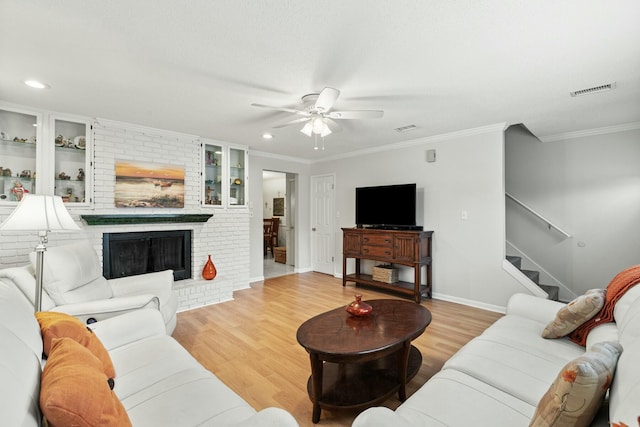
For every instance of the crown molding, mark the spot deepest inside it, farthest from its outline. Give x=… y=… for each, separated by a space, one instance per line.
x=145 y=130
x=590 y=132
x=279 y=157
x=498 y=127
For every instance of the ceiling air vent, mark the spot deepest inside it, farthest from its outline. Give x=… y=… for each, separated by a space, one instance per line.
x=406 y=128
x=596 y=89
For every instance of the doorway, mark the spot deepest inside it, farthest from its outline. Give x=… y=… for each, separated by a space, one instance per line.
x=279 y=207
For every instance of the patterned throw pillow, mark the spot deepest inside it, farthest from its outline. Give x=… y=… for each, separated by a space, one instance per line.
x=577 y=393
x=575 y=314
x=75 y=391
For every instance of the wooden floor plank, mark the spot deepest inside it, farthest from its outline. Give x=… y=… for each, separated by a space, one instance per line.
x=250 y=342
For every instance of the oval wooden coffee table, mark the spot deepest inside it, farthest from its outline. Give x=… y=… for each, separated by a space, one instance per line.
x=357 y=362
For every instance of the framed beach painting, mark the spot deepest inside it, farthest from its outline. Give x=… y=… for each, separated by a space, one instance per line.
x=148 y=185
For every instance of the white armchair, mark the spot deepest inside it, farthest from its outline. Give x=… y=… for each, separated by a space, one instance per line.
x=73 y=284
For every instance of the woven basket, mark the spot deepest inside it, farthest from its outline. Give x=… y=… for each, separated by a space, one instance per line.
x=385 y=273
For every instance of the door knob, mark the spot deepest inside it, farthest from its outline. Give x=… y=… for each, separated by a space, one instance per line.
x=313 y=229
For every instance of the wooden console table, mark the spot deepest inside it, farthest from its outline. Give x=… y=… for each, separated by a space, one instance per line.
x=403 y=247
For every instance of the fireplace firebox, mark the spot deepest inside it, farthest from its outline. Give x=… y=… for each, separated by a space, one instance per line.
x=132 y=253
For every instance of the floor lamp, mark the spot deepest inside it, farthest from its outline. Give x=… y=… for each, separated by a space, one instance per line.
x=42 y=214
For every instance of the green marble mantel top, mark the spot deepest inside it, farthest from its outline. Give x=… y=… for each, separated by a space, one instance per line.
x=144 y=218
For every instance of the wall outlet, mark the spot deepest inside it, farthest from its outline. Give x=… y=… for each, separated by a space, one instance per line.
x=464 y=215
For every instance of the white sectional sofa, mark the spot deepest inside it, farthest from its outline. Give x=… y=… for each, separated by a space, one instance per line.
x=498 y=378
x=157 y=380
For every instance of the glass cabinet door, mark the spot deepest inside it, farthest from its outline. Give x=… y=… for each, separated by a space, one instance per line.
x=71 y=139
x=213 y=167
x=237 y=176
x=19 y=133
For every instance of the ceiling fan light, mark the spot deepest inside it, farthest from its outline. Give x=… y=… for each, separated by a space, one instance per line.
x=326 y=131
x=307 y=129
x=318 y=125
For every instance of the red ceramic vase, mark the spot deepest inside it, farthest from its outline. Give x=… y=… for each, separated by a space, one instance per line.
x=359 y=308
x=209 y=271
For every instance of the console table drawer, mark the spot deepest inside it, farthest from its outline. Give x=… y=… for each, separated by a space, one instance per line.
x=377 y=239
x=377 y=251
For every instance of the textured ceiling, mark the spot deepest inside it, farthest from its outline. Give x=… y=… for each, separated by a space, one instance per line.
x=196 y=66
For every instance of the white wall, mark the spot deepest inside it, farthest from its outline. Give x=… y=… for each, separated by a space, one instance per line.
x=259 y=162
x=587 y=184
x=468 y=175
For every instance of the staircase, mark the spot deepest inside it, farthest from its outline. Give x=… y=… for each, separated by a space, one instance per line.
x=534 y=276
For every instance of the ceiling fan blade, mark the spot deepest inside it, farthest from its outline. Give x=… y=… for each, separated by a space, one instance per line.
x=356 y=114
x=292 y=122
x=288 y=110
x=326 y=99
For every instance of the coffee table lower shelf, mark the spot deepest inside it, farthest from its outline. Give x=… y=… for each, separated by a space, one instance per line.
x=361 y=385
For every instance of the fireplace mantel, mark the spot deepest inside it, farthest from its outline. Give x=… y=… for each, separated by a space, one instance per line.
x=144 y=219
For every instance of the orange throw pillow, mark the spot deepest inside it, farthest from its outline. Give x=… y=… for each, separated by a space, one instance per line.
x=61 y=325
x=74 y=390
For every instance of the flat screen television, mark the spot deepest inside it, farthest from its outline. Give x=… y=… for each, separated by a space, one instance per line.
x=387 y=207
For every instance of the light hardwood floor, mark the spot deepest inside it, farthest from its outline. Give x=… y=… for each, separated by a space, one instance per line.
x=250 y=342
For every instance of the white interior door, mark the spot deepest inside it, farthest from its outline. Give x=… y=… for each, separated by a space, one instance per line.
x=322 y=213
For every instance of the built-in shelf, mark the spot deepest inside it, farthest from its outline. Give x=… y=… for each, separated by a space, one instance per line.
x=144 y=218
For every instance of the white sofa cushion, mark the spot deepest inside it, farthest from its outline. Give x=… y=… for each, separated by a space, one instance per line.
x=512 y=356
x=452 y=398
x=24 y=279
x=71 y=274
x=160 y=383
x=624 y=400
x=19 y=359
x=602 y=333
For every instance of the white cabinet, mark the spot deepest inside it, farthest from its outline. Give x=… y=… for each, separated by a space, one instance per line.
x=20 y=135
x=237 y=176
x=224 y=175
x=213 y=160
x=45 y=154
x=71 y=139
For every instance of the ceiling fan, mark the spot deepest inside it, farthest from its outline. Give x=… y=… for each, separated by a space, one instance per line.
x=318 y=118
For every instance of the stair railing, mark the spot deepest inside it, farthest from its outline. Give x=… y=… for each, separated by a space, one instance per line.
x=549 y=224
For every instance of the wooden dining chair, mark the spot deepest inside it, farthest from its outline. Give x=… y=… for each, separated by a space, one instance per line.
x=267 y=226
x=275 y=227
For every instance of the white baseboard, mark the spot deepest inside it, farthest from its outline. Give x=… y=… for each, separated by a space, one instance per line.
x=470 y=303
x=204 y=305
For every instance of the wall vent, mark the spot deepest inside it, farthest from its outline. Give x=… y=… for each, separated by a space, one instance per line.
x=406 y=128
x=595 y=89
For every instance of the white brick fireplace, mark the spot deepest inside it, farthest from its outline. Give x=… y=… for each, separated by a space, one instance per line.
x=225 y=236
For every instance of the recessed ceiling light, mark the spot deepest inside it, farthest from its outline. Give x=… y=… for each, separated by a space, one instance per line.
x=36 y=84
x=267 y=135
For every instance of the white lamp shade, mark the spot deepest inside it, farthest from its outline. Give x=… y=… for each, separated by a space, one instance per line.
x=40 y=213
x=326 y=131
x=307 y=129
